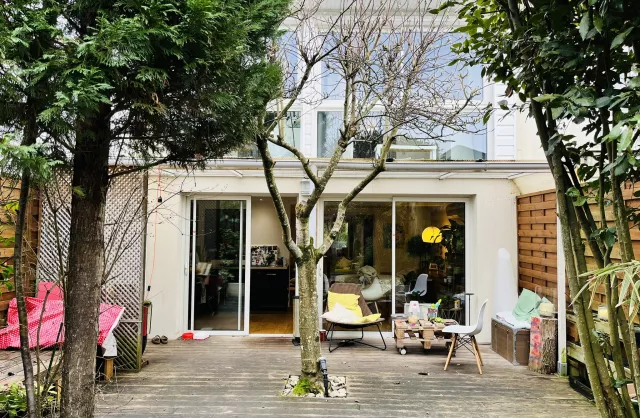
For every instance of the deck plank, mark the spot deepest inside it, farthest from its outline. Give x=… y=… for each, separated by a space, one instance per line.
x=242 y=377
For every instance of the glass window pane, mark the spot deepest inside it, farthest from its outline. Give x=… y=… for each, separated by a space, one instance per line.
x=459 y=81
x=217 y=287
x=292 y=136
x=469 y=145
x=443 y=261
x=288 y=55
x=442 y=143
x=366 y=143
x=333 y=85
x=329 y=124
x=361 y=253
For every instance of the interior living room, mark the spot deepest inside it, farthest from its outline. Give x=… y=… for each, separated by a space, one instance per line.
x=427 y=241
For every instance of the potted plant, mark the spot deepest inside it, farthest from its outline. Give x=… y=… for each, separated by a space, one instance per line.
x=446 y=302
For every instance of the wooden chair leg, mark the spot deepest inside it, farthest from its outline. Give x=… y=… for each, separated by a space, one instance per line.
x=108 y=369
x=451 y=349
x=475 y=353
x=478 y=350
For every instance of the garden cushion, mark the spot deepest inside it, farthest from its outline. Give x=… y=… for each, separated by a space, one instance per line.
x=341 y=314
x=527 y=306
x=369 y=318
x=348 y=301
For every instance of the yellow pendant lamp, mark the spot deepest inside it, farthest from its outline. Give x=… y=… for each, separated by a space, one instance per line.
x=431 y=235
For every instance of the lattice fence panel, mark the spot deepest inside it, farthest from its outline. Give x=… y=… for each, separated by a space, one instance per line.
x=125 y=222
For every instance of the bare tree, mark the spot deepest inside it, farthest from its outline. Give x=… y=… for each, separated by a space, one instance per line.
x=389 y=66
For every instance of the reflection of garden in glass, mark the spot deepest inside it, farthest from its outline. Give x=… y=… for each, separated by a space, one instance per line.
x=359 y=248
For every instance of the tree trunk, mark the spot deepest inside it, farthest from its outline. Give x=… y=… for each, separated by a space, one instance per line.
x=309 y=330
x=86 y=265
x=606 y=402
x=19 y=275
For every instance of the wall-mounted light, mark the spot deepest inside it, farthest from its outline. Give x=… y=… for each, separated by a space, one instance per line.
x=306 y=187
x=432 y=235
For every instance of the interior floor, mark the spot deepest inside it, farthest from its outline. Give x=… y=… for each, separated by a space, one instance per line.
x=271 y=322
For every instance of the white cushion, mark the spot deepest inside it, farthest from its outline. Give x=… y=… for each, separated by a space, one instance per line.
x=341 y=314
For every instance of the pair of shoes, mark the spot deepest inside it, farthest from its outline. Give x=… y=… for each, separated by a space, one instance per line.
x=160 y=340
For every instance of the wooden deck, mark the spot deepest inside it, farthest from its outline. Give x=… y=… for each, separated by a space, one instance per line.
x=242 y=377
x=11 y=370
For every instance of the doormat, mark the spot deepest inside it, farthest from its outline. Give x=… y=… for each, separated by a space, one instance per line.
x=337 y=388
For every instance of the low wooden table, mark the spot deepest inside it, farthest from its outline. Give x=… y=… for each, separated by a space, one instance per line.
x=424 y=331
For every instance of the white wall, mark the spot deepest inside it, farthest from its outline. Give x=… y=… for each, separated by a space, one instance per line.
x=266 y=228
x=492 y=225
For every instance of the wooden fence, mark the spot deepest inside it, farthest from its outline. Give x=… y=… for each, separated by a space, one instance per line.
x=537 y=244
x=537 y=252
x=9 y=194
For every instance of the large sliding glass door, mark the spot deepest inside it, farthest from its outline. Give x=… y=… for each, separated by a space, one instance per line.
x=218 y=269
x=385 y=246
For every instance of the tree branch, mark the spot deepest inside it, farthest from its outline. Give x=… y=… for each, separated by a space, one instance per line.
x=306 y=164
x=267 y=164
x=378 y=168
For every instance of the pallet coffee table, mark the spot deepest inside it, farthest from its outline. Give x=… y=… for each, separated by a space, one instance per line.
x=424 y=331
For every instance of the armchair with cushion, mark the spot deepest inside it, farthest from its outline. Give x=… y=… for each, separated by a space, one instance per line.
x=348 y=310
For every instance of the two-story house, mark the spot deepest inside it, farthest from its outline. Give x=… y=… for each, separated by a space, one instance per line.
x=215 y=259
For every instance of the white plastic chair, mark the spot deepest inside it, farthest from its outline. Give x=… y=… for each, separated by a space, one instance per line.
x=465 y=336
x=421 y=285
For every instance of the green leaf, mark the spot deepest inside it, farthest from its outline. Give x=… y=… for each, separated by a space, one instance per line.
x=556 y=112
x=597 y=22
x=580 y=200
x=603 y=101
x=634 y=83
x=78 y=191
x=622 y=167
x=584 y=101
x=546 y=98
x=585 y=23
x=618 y=40
x=609 y=238
x=573 y=192
x=625 y=139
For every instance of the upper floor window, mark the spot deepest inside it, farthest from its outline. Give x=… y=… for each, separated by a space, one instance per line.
x=288 y=55
x=291 y=129
x=451 y=82
x=468 y=141
x=329 y=124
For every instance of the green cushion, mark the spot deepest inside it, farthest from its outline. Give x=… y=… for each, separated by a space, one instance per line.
x=527 y=305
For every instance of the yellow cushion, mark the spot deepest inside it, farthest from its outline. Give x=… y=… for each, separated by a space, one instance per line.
x=369 y=318
x=347 y=300
x=343 y=264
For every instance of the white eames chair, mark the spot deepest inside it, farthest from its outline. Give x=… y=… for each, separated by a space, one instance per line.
x=465 y=336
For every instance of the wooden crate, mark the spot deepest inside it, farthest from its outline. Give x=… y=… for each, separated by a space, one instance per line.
x=510 y=343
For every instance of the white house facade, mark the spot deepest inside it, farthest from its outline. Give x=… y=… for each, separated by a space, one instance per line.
x=215 y=258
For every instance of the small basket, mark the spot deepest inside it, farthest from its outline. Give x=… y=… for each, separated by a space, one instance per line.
x=187 y=336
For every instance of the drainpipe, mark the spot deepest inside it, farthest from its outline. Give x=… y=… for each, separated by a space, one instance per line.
x=562 y=305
